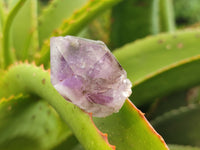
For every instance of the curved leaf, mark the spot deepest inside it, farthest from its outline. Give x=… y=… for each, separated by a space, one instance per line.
x=28 y=78
x=1 y=30
x=128 y=129
x=1 y=15
x=163 y=62
x=27 y=123
x=163 y=16
x=168 y=82
x=180 y=126
x=24 y=28
x=8 y=59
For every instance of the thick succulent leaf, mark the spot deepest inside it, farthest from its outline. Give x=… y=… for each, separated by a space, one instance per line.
x=1 y=48
x=163 y=62
x=31 y=79
x=52 y=16
x=128 y=129
x=169 y=82
x=126 y=25
x=2 y=13
x=76 y=23
x=178 y=147
x=8 y=54
x=181 y=126
x=24 y=28
x=120 y=128
x=27 y=123
x=162 y=16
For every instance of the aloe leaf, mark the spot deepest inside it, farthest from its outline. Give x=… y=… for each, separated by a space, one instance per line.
x=25 y=28
x=2 y=14
x=130 y=21
x=53 y=15
x=155 y=17
x=1 y=53
x=167 y=20
x=179 y=147
x=170 y=75
x=1 y=36
x=27 y=123
x=128 y=129
x=75 y=24
x=6 y=33
x=180 y=126
x=28 y=78
x=178 y=56
x=163 y=16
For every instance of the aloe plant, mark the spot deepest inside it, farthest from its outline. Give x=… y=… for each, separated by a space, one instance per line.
x=163 y=68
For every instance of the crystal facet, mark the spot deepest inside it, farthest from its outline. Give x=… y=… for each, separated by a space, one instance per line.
x=86 y=73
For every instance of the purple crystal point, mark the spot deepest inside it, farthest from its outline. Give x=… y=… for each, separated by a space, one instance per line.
x=86 y=73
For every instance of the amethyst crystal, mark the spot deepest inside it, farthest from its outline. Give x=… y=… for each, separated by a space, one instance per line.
x=86 y=73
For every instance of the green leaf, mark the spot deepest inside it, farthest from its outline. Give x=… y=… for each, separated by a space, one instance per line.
x=155 y=17
x=2 y=19
x=27 y=123
x=24 y=29
x=76 y=23
x=30 y=79
x=8 y=59
x=2 y=15
x=82 y=17
x=127 y=17
x=128 y=129
x=163 y=16
x=178 y=147
x=163 y=62
x=180 y=126
x=52 y=16
x=1 y=53
x=1 y=34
